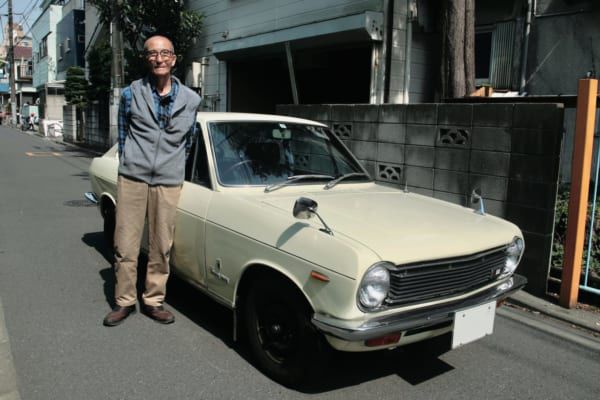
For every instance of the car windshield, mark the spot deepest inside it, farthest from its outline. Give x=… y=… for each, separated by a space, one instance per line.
x=267 y=153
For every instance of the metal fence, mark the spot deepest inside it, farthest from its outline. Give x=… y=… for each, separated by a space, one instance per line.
x=591 y=258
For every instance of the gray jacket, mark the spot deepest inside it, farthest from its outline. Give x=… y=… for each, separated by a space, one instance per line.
x=151 y=154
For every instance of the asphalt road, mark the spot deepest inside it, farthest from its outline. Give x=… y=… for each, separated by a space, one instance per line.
x=56 y=283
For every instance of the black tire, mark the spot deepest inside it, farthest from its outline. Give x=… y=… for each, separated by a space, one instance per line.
x=281 y=337
x=108 y=215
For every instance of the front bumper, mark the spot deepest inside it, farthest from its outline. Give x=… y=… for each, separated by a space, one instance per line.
x=353 y=331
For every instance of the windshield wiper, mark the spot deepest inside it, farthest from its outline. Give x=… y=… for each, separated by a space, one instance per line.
x=340 y=178
x=294 y=178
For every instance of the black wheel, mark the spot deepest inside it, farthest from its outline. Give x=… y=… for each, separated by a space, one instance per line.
x=108 y=214
x=281 y=337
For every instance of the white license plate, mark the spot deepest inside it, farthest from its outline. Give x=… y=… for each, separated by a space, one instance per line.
x=473 y=323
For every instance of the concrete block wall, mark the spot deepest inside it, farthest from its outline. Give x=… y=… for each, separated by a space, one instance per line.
x=69 y=123
x=96 y=126
x=509 y=151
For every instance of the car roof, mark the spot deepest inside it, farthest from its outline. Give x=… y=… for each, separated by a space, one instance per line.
x=232 y=116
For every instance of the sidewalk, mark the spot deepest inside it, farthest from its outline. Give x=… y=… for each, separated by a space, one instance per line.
x=588 y=320
x=8 y=376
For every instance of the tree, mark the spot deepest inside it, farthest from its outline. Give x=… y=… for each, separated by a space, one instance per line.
x=458 y=48
x=98 y=58
x=76 y=87
x=76 y=94
x=140 y=19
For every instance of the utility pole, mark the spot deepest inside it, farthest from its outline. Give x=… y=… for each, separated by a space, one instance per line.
x=11 y=61
x=116 y=38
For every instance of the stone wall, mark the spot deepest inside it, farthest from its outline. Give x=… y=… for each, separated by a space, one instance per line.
x=509 y=151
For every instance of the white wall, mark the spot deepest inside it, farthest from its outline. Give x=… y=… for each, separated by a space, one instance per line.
x=44 y=70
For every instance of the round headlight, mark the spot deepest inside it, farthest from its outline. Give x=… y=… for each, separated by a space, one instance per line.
x=513 y=256
x=374 y=286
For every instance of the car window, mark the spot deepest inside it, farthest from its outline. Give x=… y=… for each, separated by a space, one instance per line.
x=201 y=174
x=262 y=153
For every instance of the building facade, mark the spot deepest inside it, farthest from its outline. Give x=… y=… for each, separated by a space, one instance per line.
x=49 y=89
x=310 y=52
x=70 y=42
x=22 y=68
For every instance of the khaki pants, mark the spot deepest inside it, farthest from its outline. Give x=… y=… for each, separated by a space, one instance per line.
x=135 y=200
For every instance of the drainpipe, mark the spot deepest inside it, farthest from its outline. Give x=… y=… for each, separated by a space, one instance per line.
x=525 y=49
x=389 y=45
x=408 y=46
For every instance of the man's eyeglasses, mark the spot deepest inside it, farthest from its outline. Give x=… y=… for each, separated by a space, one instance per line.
x=153 y=54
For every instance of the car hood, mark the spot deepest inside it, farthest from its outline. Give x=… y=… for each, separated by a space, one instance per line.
x=403 y=227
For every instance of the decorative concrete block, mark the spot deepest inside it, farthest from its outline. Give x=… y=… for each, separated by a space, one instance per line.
x=390 y=152
x=452 y=159
x=389 y=172
x=453 y=136
x=490 y=163
x=421 y=156
x=491 y=138
x=422 y=135
x=455 y=114
x=343 y=130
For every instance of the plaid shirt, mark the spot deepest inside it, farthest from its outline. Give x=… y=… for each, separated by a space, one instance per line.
x=163 y=106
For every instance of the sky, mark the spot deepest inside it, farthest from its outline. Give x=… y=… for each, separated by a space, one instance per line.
x=25 y=12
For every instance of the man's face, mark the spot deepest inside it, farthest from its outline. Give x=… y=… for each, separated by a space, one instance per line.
x=160 y=56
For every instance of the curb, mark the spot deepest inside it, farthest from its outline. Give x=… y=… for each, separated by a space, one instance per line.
x=582 y=319
x=8 y=375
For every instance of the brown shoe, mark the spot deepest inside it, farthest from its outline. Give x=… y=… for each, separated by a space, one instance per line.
x=118 y=315
x=159 y=314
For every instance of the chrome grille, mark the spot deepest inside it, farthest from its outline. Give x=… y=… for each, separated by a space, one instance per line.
x=432 y=280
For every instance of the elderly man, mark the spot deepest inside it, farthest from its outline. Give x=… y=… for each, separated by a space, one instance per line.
x=156 y=128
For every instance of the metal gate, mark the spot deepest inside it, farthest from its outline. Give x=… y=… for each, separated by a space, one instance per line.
x=590 y=261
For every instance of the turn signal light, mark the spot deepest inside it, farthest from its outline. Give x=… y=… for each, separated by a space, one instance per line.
x=383 y=341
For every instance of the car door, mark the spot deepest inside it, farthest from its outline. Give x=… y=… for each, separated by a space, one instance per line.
x=188 y=253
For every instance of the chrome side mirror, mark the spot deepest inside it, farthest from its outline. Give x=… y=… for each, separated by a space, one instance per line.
x=476 y=197
x=305 y=208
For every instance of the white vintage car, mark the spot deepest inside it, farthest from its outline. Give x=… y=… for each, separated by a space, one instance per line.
x=376 y=268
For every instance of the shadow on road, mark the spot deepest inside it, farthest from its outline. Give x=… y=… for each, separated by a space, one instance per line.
x=414 y=364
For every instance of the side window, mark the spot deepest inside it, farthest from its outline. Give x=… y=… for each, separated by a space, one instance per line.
x=201 y=174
